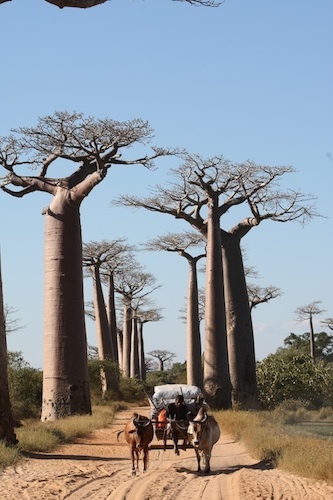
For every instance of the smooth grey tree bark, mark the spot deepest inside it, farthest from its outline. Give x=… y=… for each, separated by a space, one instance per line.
x=217 y=385
x=191 y=198
x=93 y=145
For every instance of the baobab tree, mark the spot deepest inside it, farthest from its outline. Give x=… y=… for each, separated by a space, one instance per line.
x=146 y=313
x=306 y=313
x=202 y=192
x=328 y=322
x=120 y=254
x=261 y=295
x=94 y=255
x=132 y=284
x=7 y=433
x=11 y=323
x=104 y=259
x=180 y=243
x=162 y=357
x=92 y=146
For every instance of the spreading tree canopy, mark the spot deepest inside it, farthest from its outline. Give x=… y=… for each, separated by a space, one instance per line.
x=91 y=146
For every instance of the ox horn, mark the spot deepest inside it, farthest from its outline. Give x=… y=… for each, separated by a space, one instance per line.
x=138 y=423
x=201 y=416
x=135 y=419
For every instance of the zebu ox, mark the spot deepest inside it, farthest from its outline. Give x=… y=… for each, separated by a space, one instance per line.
x=139 y=434
x=203 y=432
x=175 y=430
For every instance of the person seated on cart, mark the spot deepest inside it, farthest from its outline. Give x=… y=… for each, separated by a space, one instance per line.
x=162 y=420
x=178 y=410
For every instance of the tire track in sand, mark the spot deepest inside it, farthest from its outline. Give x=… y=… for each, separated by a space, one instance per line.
x=98 y=467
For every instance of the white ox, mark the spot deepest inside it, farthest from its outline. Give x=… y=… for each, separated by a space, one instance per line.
x=203 y=432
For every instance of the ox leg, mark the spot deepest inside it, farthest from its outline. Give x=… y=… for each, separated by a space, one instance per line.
x=206 y=457
x=134 y=454
x=176 y=446
x=145 y=459
x=198 y=458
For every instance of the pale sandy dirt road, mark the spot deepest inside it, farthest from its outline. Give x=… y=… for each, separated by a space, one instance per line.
x=98 y=468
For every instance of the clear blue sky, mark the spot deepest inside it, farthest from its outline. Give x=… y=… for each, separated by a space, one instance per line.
x=249 y=80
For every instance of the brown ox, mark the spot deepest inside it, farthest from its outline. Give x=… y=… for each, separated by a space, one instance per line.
x=175 y=430
x=203 y=432
x=139 y=433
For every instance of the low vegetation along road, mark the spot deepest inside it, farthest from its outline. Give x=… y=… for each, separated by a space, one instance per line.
x=98 y=467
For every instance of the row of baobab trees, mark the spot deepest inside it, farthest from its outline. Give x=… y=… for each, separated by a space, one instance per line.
x=201 y=193
x=112 y=264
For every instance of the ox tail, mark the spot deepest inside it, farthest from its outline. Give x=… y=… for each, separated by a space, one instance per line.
x=118 y=434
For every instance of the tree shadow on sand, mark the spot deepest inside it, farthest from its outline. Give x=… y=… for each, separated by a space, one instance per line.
x=52 y=456
x=262 y=465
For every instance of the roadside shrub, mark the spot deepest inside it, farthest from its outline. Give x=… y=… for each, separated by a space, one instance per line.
x=283 y=378
x=292 y=411
x=95 y=368
x=325 y=413
x=271 y=441
x=25 y=389
x=132 y=390
x=43 y=436
x=9 y=455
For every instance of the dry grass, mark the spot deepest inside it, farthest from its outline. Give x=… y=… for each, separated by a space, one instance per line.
x=37 y=436
x=9 y=455
x=267 y=438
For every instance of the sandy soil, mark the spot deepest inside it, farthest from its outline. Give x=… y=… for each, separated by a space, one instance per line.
x=98 y=467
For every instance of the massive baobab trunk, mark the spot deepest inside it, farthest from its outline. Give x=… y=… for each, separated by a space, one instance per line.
x=241 y=350
x=93 y=147
x=7 y=434
x=65 y=372
x=216 y=369
x=193 y=341
x=104 y=341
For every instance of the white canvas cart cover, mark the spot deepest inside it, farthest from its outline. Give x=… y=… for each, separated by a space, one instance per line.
x=166 y=394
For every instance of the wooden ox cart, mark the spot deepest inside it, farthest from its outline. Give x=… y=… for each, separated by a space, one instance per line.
x=159 y=401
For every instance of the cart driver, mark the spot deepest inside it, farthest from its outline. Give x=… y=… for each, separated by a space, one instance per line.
x=178 y=410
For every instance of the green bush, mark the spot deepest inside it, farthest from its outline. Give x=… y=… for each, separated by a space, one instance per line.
x=132 y=390
x=175 y=375
x=95 y=368
x=25 y=387
x=283 y=378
